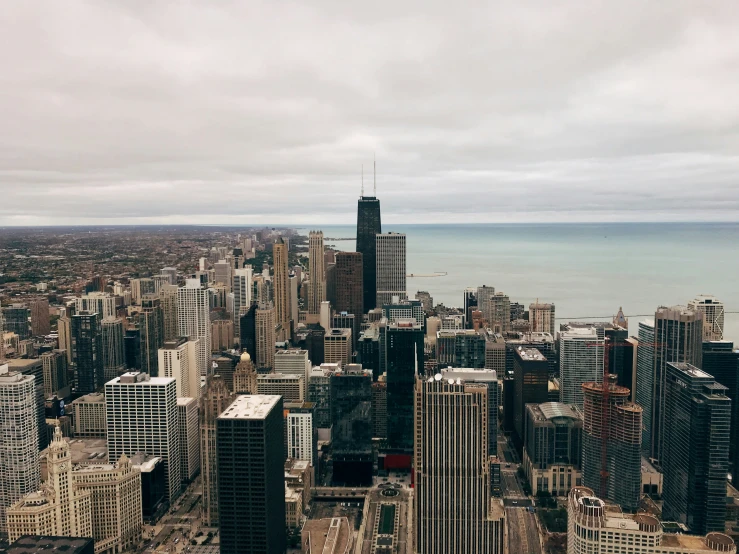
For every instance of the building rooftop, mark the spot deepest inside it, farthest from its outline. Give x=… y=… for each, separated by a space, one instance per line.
x=251 y=406
x=470 y=374
x=554 y=410
x=530 y=354
x=92 y=397
x=33 y=545
x=140 y=378
x=185 y=401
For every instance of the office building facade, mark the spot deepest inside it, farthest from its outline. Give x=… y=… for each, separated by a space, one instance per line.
x=141 y=413
x=251 y=482
x=713 y=316
x=581 y=351
x=19 y=443
x=316 y=267
x=541 y=317
x=453 y=511
x=390 y=268
x=695 y=459
x=264 y=322
x=531 y=384
x=189 y=437
x=87 y=352
x=349 y=284
x=281 y=284
x=216 y=398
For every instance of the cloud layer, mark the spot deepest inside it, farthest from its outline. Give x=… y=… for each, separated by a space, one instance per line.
x=252 y=112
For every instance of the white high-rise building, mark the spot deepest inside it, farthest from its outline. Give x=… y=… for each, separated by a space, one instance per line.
x=317 y=270
x=581 y=351
x=713 y=316
x=193 y=313
x=189 y=434
x=300 y=431
x=179 y=359
x=142 y=417
x=19 y=461
x=96 y=303
x=242 y=289
x=391 y=267
x=294 y=362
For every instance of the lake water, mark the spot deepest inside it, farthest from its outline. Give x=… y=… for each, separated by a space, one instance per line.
x=586 y=270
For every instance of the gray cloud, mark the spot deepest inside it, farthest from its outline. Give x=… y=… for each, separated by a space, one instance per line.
x=246 y=112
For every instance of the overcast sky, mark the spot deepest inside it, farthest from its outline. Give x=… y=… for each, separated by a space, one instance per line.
x=255 y=112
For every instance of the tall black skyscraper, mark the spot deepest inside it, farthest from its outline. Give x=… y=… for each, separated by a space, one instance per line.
x=368 y=225
x=248 y=331
x=251 y=482
x=695 y=458
x=87 y=348
x=404 y=353
x=721 y=360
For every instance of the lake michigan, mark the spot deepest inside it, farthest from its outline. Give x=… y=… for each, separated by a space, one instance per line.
x=587 y=270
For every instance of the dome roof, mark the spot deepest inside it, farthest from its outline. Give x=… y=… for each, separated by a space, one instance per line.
x=245 y=357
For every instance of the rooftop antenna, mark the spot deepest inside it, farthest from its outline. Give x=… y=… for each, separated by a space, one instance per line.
x=362 y=180
x=374 y=165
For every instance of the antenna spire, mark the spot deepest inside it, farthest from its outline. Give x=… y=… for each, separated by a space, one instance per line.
x=362 y=179
x=374 y=166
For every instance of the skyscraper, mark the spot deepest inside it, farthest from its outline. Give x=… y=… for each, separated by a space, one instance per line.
x=87 y=352
x=337 y=346
x=581 y=350
x=151 y=325
x=713 y=316
x=695 y=455
x=193 y=312
x=721 y=359
x=251 y=482
x=541 y=317
x=368 y=226
x=645 y=379
x=168 y=303
x=189 y=437
x=281 y=285
x=19 y=459
x=114 y=356
x=531 y=386
x=40 y=322
x=454 y=512
x=316 y=268
x=404 y=354
x=351 y=417
x=349 y=284
x=141 y=413
x=242 y=289
x=16 y=320
x=248 y=330
x=96 y=302
x=619 y=425
x=678 y=337
x=56 y=379
x=391 y=268
x=216 y=398
x=178 y=359
x=265 y=336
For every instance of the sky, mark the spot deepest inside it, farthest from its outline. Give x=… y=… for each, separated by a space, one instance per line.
x=155 y=112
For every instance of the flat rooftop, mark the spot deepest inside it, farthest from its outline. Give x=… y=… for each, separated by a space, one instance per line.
x=470 y=374
x=530 y=354
x=34 y=544
x=328 y=536
x=139 y=378
x=251 y=406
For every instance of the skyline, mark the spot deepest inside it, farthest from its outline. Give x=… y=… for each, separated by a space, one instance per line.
x=266 y=112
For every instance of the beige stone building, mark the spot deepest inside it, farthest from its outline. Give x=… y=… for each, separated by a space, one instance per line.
x=102 y=501
x=89 y=415
x=245 y=376
x=58 y=508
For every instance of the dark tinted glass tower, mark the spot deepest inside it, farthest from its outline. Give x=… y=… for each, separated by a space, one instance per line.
x=351 y=416
x=695 y=452
x=251 y=481
x=87 y=341
x=349 y=284
x=531 y=382
x=404 y=352
x=368 y=225
x=248 y=331
x=721 y=360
